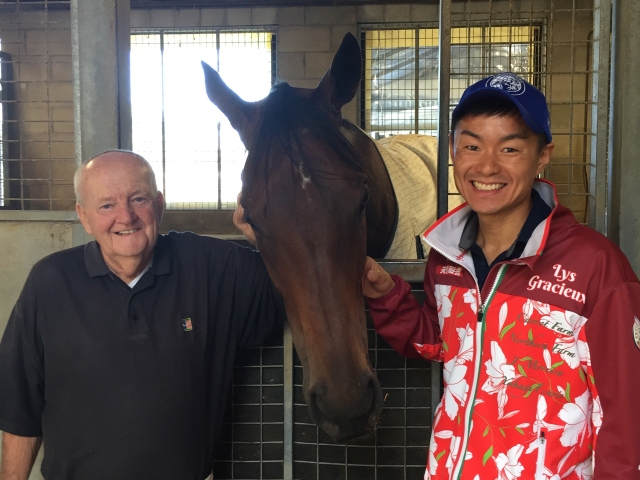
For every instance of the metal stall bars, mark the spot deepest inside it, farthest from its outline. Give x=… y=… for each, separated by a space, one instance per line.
x=399 y=447
x=37 y=104
x=253 y=439
x=269 y=435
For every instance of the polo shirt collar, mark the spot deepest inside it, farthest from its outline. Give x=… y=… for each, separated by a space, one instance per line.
x=96 y=266
x=161 y=257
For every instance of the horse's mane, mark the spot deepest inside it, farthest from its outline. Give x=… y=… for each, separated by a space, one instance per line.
x=286 y=115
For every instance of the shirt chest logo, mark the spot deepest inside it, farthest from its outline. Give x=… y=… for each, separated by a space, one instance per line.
x=187 y=325
x=450 y=270
x=561 y=278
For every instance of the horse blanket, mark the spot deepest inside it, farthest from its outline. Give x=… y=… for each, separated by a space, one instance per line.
x=411 y=161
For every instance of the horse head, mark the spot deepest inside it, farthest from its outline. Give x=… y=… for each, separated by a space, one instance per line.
x=309 y=191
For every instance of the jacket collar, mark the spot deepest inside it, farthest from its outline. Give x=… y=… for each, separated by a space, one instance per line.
x=445 y=234
x=96 y=267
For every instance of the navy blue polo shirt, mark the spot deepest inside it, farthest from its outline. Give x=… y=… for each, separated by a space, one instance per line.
x=539 y=211
x=131 y=383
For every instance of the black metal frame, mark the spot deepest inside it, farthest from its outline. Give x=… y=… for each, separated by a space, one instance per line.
x=9 y=125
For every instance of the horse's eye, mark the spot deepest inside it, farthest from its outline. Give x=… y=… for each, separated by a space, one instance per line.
x=364 y=201
x=365 y=195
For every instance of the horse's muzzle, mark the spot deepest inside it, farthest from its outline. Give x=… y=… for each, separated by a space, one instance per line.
x=352 y=414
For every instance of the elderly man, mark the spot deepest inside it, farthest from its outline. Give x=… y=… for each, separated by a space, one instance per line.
x=118 y=354
x=534 y=315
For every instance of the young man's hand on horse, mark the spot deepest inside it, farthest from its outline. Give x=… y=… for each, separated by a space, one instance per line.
x=241 y=223
x=376 y=282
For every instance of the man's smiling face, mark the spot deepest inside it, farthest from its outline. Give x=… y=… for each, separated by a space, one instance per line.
x=120 y=208
x=495 y=161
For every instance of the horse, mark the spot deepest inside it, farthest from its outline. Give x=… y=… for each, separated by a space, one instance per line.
x=317 y=193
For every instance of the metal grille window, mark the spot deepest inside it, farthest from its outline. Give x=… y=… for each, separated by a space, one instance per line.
x=400 y=93
x=196 y=155
x=36 y=106
x=6 y=98
x=549 y=42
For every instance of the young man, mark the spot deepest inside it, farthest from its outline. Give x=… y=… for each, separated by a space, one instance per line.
x=534 y=315
x=118 y=354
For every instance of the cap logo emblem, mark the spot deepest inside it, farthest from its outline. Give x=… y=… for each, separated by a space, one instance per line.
x=636 y=331
x=508 y=82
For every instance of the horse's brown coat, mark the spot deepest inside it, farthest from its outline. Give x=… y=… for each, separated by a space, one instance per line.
x=319 y=199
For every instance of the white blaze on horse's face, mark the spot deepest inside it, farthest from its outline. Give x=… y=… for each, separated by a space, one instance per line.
x=304 y=192
x=305 y=178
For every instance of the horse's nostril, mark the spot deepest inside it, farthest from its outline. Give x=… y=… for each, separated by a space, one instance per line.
x=318 y=390
x=376 y=389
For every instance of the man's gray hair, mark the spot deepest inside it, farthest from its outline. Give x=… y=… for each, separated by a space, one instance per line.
x=77 y=177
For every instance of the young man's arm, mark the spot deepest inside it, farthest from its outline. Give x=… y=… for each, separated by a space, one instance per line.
x=18 y=455
x=615 y=383
x=397 y=315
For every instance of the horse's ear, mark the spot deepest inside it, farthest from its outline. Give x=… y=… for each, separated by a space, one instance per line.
x=341 y=81
x=241 y=114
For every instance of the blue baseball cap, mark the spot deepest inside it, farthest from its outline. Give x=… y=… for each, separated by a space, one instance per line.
x=529 y=100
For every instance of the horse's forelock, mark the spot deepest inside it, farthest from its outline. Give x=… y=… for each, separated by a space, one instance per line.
x=285 y=116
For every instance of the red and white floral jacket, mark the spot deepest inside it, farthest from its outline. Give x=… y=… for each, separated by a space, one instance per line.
x=541 y=370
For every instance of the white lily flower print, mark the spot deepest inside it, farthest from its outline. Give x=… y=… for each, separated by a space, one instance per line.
x=584 y=354
x=596 y=416
x=456 y=387
x=567 y=322
x=443 y=303
x=455 y=451
x=540 y=423
x=531 y=305
x=500 y=374
x=509 y=466
x=568 y=346
x=575 y=416
x=502 y=317
x=465 y=354
x=432 y=462
x=453 y=454
x=568 y=349
x=549 y=475
x=584 y=470
x=471 y=298
x=547 y=358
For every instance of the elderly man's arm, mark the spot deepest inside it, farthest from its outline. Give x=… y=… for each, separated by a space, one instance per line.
x=18 y=455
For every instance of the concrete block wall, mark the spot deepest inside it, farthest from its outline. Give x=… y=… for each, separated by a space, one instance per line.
x=22 y=244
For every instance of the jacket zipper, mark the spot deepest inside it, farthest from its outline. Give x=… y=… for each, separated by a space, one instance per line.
x=480 y=328
x=542 y=450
